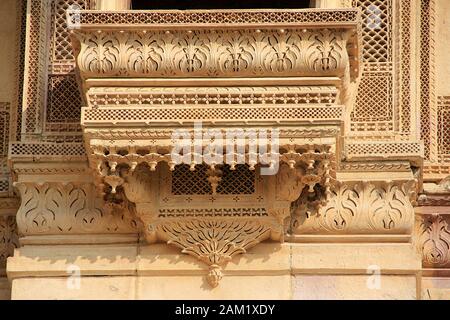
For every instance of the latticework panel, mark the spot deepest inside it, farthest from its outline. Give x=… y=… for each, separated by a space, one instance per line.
x=61 y=46
x=238 y=181
x=4 y=128
x=443 y=134
x=4 y=139
x=374 y=103
x=377 y=30
x=267 y=113
x=187 y=182
x=64 y=96
x=63 y=99
x=213 y=17
x=425 y=69
x=434 y=110
x=16 y=120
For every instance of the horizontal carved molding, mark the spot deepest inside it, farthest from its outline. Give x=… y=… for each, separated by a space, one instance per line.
x=218 y=114
x=47 y=150
x=149 y=96
x=383 y=150
x=206 y=53
x=120 y=136
x=213 y=18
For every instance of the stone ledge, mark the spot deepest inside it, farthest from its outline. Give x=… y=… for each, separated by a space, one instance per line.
x=162 y=260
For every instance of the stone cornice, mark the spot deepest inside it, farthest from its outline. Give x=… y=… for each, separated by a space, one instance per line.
x=221 y=43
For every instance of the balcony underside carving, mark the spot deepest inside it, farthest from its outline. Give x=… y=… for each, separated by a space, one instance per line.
x=146 y=76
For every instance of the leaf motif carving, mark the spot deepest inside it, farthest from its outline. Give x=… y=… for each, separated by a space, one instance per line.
x=212 y=53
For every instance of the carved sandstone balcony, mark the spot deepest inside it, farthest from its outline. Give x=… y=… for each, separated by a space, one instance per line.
x=146 y=74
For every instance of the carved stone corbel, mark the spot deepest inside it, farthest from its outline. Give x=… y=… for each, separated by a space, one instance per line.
x=433 y=240
x=378 y=207
x=66 y=208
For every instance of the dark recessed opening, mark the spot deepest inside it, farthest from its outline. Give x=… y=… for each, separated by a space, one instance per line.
x=219 y=4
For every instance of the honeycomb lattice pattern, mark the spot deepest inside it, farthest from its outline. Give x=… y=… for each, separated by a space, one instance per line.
x=4 y=139
x=34 y=72
x=383 y=149
x=374 y=103
x=61 y=46
x=187 y=182
x=377 y=30
x=64 y=99
x=48 y=149
x=64 y=96
x=405 y=66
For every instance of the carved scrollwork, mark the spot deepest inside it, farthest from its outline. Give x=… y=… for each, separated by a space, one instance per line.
x=8 y=238
x=360 y=208
x=57 y=208
x=433 y=235
x=213 y=53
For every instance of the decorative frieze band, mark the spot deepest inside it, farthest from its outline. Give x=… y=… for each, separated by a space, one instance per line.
x=217 y=18
x=359 y=208
x=149 y=96
x=67 y=208
x=209 y=53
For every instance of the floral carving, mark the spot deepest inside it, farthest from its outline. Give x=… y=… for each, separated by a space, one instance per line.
x=213 y=241
x=144 y=57
x=100 y=53
x=359 y=208
x=434 y=240
x=57 y=208
x=8 y=238
x=212 y=53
